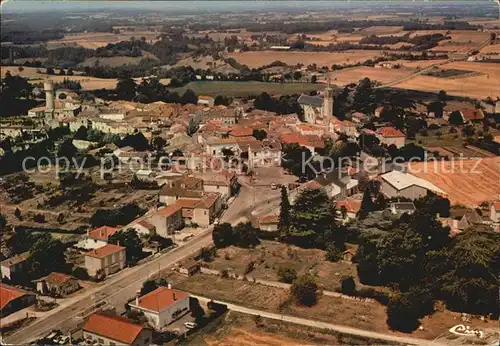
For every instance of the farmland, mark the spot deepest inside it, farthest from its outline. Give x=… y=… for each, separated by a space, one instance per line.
x=467 y=182
x=257 y=59
x=243 y=89
x=94 y=40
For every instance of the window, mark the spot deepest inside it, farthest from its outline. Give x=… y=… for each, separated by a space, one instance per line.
x=217 y=187
x=101 y=341
x=205 y=212
x=112 y=344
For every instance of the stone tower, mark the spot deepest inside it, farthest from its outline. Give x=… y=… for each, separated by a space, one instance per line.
x=48 y=86
x=328 y=102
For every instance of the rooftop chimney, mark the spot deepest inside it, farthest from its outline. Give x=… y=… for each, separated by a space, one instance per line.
x=169 y=286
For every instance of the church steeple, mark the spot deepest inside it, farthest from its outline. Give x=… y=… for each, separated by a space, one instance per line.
x=328 y=101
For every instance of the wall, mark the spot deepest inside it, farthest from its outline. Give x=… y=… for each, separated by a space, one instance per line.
x=397 y=141
x=159 y=320
x=93 y=265
x=411 y=192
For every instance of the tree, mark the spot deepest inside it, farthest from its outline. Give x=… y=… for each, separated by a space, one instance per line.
x=223 y=235
x=81 y=133
x=70 y=72
x=46 y=256
x=287 y=275
x=314 y=79
x=297 y=75
x=148 y=286
x=189 y=96
x=401 y=313
x=442 y=96
x=158 y=142
x=222 y=100
x=61 y=72
x=136 y=141
x=348 y=285
x=245 y=235
x=17 y=214
x=3 y=222
x=285 y=217
x=67 y=149
x=333 y=253
x=130 y=240
x=193 y=127
x=469 y=282
x=313 y=219
x=364 y=97
x=125 y=89
x=456 y=118
x=304 y=290
x=50 y=71
x=373 y=199
x=468 y=131
x=259 y=134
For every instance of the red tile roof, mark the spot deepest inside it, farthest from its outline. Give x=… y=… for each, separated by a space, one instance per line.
x=169 y=210
x=390 y=132
x=161 y=298
x=472 y=114
x=351 y=205
x=103 y=233
x=9 y=293
x=16 y=259
x=58 y=278
x=241 y=132
x=104 y=251
x=269 y=219
x=308 y=141
x=147 y=225
x=113 y=327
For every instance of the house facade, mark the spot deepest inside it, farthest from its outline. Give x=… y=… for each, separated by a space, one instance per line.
x=398 y=184
x=106 y=260
x=57 y=284
x=115 y=330
x=162 y=306
x=390 y=136
x=167 y=219
x=13 y=268
x=13 y=299
x=98 y=237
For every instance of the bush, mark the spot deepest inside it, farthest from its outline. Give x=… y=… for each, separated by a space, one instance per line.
x=81 y=273
x=287 y=275
x=40 y=218
x=333 y=254
x=348 y=286
x=304 y=290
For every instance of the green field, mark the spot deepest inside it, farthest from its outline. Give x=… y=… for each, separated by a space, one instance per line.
x=242 y=89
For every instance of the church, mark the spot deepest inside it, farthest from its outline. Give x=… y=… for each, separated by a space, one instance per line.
x=317 y=109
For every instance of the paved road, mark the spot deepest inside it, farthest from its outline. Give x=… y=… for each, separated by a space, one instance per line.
x=321 y=325
x=122 y=286
x=116 y=290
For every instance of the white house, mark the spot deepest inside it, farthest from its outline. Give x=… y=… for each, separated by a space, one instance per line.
x=398 y=184
x=98 y=237
x=162 y=306
x=115 y=330
x=390 y=135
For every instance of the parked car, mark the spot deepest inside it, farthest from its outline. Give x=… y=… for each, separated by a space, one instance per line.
x=190 y=325
x=274 y=186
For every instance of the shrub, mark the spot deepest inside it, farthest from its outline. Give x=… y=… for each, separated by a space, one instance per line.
x=333 y=254
x=287 y=275
x=348 y=286
x=304 y=290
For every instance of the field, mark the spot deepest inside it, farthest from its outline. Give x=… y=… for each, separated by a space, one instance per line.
x=115 y=61
x=273 y=255
x=492 y=48
x=382 y=75
x=235 y=328
x=467 y=182
x=462 y=41
x=242 y=89
x=368 y=316
x=257 y=59
x=88 y=83
x=95 y=40
x=479 y=87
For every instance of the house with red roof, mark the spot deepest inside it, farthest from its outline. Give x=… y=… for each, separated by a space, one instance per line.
x=111 y=330
x=98 y=237
x=57 y=284
x=162 y=306
x=105 y=260
x=310 y=142
x=470 y=115
x=390 y=135
x=13 y=299
x=347 y=209
x=269 y=223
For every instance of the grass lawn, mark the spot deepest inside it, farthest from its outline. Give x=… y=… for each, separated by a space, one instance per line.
x=242 y=89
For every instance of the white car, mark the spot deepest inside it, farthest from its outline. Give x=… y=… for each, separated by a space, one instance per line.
x=190 y=325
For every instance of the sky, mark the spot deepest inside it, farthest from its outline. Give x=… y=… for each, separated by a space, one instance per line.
x=178 y=6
